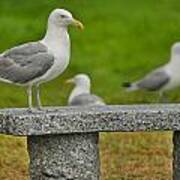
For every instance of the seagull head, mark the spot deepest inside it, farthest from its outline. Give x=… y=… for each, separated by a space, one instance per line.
x=63 y=18
x=81 y=80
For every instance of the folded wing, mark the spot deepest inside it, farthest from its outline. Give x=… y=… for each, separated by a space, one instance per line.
x=86 y=100
x=154 y=81
x=25 y=63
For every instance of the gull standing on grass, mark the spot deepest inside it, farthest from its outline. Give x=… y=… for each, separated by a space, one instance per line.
x=37 y=62
x=81 y=94
x=162 y=79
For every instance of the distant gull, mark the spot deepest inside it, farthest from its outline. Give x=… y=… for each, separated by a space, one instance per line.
x=81 y=94
x=34 y=63
x=162 y=79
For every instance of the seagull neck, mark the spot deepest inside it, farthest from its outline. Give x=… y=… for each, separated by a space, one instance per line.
x=175 y=60
x=55 y=33
x=174 y=64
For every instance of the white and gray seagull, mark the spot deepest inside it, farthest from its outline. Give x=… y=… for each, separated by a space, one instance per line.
x=81 y=94
x=162 y=79
x=37 y=62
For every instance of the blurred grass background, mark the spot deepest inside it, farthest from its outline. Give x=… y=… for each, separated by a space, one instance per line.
x=122 y=41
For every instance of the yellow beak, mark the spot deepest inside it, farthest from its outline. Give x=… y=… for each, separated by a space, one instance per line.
x=69 y=81
x=78 y=24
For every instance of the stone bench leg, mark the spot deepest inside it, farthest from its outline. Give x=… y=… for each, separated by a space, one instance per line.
x=176 y=155
x=64 y=157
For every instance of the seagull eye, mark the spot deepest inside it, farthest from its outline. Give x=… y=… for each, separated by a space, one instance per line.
x=63 y=16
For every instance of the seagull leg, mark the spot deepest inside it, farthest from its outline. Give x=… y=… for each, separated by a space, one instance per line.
x=162 y=97
x=29 y=93
x=38 y=99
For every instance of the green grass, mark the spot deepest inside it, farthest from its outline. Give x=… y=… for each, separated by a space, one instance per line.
x=122 y=41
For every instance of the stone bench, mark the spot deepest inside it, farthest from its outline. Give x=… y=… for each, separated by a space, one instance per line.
x=63 y=141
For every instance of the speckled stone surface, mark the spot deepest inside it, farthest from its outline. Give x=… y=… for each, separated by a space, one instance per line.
x=64 y=157
x=63 y=120
x=63 y=141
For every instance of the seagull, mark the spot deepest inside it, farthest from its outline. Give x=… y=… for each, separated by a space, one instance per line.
x=34 y=63
x=162 y=79
x=81 y=95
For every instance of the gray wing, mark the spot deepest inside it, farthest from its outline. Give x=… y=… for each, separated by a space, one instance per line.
x=86 y=100
x=154 y=81
x=25 y=63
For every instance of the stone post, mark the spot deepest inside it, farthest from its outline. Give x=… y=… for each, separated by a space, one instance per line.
x=64 y=157
x=176 y=155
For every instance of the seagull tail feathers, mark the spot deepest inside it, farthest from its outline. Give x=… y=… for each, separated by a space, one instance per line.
x=130 y=86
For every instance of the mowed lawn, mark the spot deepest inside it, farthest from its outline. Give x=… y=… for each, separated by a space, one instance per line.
x=122 y=41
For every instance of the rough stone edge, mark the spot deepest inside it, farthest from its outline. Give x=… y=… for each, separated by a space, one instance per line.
x=65 y=120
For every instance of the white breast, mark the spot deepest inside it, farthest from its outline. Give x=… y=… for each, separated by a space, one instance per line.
x=78 y=90
x=60 y=48
x=173 y=71
x=61 y=62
